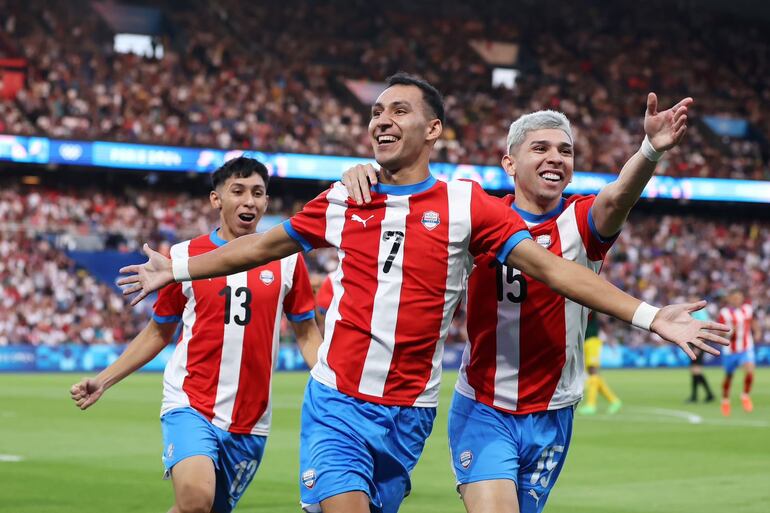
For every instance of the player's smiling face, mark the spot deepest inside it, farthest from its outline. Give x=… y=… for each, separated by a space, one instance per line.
x=241 y=202
x=543 y=165
x=401 y=127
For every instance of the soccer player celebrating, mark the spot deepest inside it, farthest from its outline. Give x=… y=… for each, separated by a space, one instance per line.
x=522 y=372
x=216 y=388
x=404 y=260
x=738 y=314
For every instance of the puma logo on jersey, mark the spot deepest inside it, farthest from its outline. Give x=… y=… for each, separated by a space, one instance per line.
x=356 y=217
x=535 y=496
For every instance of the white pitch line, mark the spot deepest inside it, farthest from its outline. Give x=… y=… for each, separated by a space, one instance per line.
x=667 y=416
x=681 y=414
x=10 y=458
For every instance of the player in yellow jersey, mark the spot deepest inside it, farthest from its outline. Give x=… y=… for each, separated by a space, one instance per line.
x=595 y=384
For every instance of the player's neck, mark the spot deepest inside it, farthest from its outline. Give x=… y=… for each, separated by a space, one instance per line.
x=534 y=206
x=224 y=233
x=415 y=173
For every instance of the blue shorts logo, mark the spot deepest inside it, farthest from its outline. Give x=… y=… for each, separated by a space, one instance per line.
x=466 y=457
x=170 y=451
x=308 y=478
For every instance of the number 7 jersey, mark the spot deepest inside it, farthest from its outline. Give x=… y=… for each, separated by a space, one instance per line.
x=525 y=348
x=222 y=365
x=404 y=260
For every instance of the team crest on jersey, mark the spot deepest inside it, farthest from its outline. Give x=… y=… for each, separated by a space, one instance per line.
x=544 y=240
x=466 y=457
x=308 y=478
x=266 y=276
x=430 y=219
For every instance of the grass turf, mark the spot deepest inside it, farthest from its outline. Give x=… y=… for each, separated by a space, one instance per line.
x=657 y=455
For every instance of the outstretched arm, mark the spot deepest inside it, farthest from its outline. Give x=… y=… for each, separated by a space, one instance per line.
x=663 y=131
x=145 y=346
x=239 y=255
x=580 y=284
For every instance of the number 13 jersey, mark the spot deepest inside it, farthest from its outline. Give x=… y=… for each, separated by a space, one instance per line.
x=525 y=348
x=222 y=365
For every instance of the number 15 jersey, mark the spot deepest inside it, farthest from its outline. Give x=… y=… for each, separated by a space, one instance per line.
x=525 y=348
x=222 y=365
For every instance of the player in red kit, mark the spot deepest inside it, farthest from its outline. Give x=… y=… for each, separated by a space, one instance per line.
x=404 y=261
x=216 y=388
x=522 y=372
x=738 y=314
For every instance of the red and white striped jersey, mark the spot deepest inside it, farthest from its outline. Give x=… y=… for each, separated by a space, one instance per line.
x=223 y=361
x=525 y=348
x=739 y=320
x=404 y=260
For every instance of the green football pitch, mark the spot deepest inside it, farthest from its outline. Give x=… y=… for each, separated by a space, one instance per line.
x=657 y=455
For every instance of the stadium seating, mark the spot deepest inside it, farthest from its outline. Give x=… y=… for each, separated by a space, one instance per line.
x=660 y=259
x=272 y=77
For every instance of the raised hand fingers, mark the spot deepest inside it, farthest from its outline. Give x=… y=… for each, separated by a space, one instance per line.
x=129 y=269
x=652 y=104
x=717 y=326
x=138 y=298
x=713 y=337
x=684 y=102
x=127 y=291
x=694 y=307
x=686 y=348
x=705 y=347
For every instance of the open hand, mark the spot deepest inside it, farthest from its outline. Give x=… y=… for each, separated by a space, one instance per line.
x=148 y=277
x=675 y=324
x=666 y=129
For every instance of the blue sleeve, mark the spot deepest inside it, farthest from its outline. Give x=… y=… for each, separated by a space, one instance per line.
x=596 y=233
x=511 y=243
x=296 y=236
x=304 y=316
x=167 y=319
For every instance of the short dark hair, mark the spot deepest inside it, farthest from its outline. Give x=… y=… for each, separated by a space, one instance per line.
x=240 y=167
x=430 y=94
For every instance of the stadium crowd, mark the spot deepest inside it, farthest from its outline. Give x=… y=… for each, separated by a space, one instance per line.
x=272 y=76
x=43 y=294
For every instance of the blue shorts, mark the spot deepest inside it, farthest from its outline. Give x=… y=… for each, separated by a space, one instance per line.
x=236 y=457
x=347 y=444
x=528 y=449
x=735 y=360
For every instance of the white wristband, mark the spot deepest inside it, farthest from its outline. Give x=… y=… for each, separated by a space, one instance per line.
x=180 y=270
x=649 y=152
x=644 y=315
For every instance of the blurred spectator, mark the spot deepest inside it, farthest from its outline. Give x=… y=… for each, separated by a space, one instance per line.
x=45 y=298
x=271 y=76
